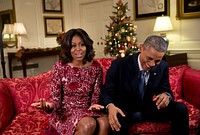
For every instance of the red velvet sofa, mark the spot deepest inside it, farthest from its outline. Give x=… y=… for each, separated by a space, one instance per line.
x=18 y=117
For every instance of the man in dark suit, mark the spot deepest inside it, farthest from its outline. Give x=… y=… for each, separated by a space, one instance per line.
x=126 y=100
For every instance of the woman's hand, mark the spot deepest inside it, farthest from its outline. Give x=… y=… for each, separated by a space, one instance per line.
x=43 y=105
x=96 y=107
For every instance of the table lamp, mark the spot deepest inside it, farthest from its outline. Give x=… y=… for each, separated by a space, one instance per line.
x=19 y=30
x=8 y=35
x=163 y=24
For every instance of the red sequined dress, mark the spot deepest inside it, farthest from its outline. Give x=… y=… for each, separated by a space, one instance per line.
x=73 y=91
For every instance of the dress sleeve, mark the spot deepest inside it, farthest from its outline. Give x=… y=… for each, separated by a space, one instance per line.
x=97 y=86
x=55 y=90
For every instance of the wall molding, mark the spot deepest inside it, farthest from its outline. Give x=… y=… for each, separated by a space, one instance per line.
x=185 y=51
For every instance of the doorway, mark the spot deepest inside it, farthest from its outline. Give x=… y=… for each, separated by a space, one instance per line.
x=94 y=16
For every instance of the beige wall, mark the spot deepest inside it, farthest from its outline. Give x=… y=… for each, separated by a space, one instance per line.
x=184 y=38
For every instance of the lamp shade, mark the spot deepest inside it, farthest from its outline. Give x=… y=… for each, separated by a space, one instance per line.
x=19 y=28
x=8 y=29
x=163 y=23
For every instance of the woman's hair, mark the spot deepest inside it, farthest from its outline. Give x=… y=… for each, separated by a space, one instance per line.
x=66 y=45
x=157 y=42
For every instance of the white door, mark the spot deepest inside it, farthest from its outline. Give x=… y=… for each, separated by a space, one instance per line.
x=93 y=18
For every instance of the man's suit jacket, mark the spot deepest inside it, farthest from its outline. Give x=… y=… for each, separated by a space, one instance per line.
x=122 y=84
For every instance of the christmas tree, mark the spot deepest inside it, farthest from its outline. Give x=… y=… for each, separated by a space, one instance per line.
x=121 y=38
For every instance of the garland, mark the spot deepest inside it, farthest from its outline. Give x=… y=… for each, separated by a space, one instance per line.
x=60 y=37
x=58 y=40
x=23 y=50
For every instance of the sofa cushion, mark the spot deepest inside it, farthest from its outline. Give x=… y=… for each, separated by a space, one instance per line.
x=150 y=128
x=191 y=87
x=25 y=91
x=29 y=123
x=6 y=107
x=176 y=80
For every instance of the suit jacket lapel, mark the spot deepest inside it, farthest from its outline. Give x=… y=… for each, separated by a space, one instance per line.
x=152 y=79
x=135 y=73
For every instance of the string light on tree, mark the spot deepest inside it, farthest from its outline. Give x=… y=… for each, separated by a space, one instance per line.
x=121 y=38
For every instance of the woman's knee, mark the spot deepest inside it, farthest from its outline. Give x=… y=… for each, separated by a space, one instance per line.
x=86 y=124
x=103 y=122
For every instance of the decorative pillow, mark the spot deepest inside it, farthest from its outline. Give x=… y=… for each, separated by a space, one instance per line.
x=176 y=80
x=27 y=90
x=6 y=107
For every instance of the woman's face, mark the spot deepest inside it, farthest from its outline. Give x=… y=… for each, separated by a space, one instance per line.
x=78 y=50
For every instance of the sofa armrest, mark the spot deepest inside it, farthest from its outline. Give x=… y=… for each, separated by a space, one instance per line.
x=6 y=107
x=191 y=87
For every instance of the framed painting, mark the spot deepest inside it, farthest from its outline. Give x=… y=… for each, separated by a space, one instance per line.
x=53 y=25
x=146 y=9
x=52 y=6
x=187 y=9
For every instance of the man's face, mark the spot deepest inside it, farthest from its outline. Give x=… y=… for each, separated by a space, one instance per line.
x=149 y=57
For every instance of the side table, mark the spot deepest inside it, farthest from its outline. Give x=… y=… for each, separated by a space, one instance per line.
x=176 y=59
x=27 y=56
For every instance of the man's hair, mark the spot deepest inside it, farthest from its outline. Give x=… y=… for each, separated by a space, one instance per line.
x=157 y=42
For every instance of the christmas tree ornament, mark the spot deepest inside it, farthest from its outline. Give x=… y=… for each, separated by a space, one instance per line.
x=110 y=34
x=122 y=30
x=119 y=37
x=130 y=28
x=128 y=38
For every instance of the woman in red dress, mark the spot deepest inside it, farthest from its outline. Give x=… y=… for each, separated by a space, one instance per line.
x=75 y=88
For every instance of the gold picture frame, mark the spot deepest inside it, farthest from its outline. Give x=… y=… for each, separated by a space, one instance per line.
x=188 y=10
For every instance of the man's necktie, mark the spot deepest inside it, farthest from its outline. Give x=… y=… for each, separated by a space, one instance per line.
x=142 y=83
